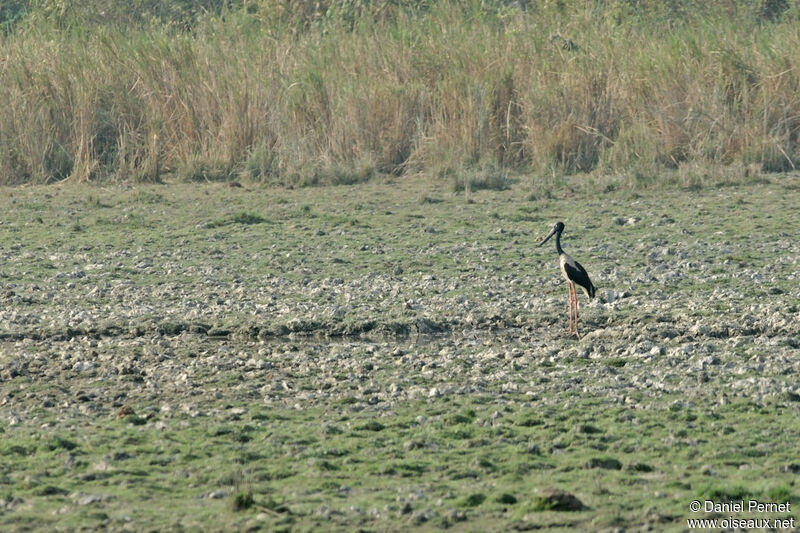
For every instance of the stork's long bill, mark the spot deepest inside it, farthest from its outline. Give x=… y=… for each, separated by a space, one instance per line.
x=557 y=229
x=552 y=232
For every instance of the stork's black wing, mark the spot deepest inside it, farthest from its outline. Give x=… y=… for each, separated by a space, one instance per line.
x=578 y=275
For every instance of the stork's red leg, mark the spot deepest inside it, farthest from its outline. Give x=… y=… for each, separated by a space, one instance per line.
x=574 y=310
x=573 y=295
x=569 y=304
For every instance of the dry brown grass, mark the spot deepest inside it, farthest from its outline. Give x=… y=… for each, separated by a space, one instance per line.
x=555 y=88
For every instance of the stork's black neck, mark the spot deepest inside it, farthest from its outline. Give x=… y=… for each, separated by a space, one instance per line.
x=558 y=243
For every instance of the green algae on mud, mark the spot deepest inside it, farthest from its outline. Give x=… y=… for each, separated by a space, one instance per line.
x=360 y=357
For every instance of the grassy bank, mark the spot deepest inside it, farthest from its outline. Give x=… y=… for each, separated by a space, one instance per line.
x=288 y=96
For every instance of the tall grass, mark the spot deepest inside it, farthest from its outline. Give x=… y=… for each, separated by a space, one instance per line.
x=292 y=96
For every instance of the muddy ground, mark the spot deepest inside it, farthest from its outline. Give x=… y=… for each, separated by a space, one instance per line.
x=394 y=355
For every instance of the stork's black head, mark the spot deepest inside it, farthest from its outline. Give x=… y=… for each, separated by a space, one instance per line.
x=558 y=228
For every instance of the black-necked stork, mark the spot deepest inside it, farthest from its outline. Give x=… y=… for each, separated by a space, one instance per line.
x=574 y=273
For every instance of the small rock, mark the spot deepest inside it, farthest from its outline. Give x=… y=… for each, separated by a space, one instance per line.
x=88 y=499
x=83 y=366
x=413 y=445
x=456 y=516
x=124 y=411
x=558 y=500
